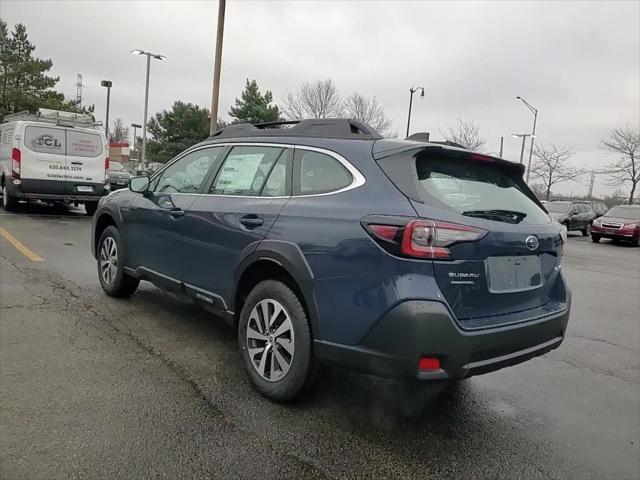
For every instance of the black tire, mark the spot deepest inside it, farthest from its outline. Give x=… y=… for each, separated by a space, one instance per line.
x=302 y=370
x=90 y=207
x=586 y=231
x=117 y=283
x=595 y=238
x=9 y=202
x=635 y=242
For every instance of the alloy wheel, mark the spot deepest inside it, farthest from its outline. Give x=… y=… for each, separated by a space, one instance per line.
x=588 y=230
x=270 y=340
x=108 y=260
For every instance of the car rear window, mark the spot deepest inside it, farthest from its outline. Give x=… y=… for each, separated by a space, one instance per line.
x=476 y=188
x=555 y=207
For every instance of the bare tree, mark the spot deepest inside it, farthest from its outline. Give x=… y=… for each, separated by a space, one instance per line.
x=369 y=111
x=624 y=141
x=319 y=99
x=539 y=190
x=551 y=166
x=119 y=133
x=465 y=133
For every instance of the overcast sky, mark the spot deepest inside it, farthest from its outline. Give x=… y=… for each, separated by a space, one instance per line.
x=577 y=62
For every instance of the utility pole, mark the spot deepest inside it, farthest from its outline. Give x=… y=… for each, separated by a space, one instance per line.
x=79 y=91
x=591 y=183
x=501 y=146
x=108 y=84
x=411 y=92
x=213 y=122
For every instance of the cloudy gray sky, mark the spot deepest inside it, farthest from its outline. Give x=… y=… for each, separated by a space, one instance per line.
x=577 y=62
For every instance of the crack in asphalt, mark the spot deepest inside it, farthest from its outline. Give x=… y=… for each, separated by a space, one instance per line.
x=70 y=302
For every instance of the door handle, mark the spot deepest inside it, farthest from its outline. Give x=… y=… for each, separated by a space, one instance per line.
x=76 y=163
x=176 y=212
x=251 y=221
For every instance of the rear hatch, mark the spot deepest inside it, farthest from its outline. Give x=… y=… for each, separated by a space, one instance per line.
x=495 y=251
x=62 y=160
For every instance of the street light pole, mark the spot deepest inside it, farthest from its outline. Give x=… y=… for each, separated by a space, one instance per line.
x=135 y=140
x=144 y=121
x=146 y=100
x=533 y=133
x=215 y=95
x=411 y=92
x=107 y=83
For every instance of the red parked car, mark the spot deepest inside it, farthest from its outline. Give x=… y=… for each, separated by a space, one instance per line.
x=619 y=223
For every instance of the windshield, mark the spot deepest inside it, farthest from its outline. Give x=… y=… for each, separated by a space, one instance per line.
x=624 y=212
x=553 y=207
x=479 y=189
x=116 y=166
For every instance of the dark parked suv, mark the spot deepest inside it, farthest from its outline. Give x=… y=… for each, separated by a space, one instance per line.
x=324 y=242
x=573 y=215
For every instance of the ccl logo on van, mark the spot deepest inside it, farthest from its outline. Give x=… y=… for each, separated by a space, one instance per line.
x=46 y=140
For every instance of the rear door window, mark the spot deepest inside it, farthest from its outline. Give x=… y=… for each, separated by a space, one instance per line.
x=478 y=189
x=84 y=144
x=45 y=140
x=316 y=172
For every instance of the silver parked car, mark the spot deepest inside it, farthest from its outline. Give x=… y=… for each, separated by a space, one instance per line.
x=118 y=175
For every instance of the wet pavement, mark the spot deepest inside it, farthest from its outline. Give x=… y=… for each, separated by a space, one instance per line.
x=152 y=386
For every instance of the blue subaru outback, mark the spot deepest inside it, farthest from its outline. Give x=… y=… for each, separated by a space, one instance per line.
x=321 y=241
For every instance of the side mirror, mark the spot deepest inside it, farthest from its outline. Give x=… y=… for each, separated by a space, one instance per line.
x=139 y=184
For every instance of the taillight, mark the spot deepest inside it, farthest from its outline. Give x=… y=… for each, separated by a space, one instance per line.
x=16 y=157
x=106 y=169
x=423 y=238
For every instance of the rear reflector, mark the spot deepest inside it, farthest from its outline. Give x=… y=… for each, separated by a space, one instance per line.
x=16 y=158
x=427 y=364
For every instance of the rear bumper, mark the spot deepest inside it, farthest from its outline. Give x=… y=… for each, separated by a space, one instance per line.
x=52 y=190
x=416 y=328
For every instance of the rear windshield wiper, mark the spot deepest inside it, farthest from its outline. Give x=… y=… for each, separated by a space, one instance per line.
x=508 y=216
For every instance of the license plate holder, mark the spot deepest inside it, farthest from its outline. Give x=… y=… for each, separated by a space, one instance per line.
x=511 y=274
x=85 y=188
x=609 y=231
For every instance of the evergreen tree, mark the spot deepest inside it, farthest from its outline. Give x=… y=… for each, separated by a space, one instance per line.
x=24 y=83
x=253 y=107
x=176 y=130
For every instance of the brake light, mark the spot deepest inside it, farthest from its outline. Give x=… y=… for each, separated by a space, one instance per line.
x=430 y=239
x=16 y=158
x=481 y=158
x=106 y=169
x=421 y=238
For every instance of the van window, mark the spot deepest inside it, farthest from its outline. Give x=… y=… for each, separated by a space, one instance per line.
x=83 y=144
x=45 y=140
x=7 y=134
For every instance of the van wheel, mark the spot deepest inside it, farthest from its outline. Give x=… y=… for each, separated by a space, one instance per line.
x=113 y=279
x=9 y=202
x=275 y=342
x=587 y=230
x=90 y=207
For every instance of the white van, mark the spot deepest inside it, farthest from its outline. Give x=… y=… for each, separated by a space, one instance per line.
x=53 y=156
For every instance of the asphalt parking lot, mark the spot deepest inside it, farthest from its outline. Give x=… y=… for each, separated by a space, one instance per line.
x=94 y=387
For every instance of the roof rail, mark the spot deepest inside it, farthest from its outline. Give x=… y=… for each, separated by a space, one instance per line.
x=57 y=117
x=324 y=127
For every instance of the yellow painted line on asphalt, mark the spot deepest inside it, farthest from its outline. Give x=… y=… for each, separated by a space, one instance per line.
x=21 y=247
